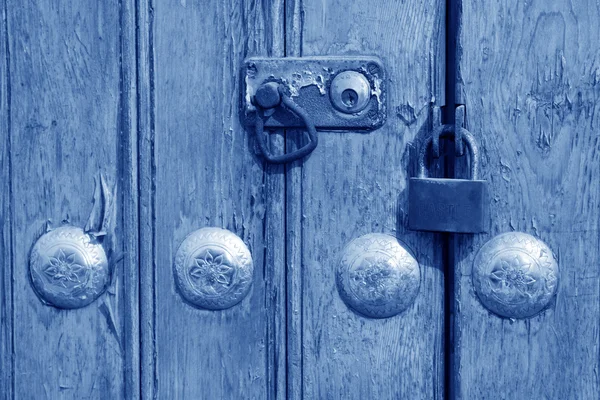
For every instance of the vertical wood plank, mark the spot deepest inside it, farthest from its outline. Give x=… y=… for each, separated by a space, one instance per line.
x=530 y=73
x=354 y=184
x=147 y=206
x=70 y=116
x=207 y=174
x=6 y=314
x=128 y=170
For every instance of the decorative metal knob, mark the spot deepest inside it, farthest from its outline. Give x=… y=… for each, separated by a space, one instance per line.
x=377 y=276
x=68 y=267
x=213 y=269
x=515 y=275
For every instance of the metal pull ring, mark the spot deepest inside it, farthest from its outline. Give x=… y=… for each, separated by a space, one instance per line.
x=271 y=95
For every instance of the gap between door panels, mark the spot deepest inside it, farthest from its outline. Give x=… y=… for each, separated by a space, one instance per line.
x=452 y=100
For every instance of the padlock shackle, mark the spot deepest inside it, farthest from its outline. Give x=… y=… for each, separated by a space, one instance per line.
x=449 y=131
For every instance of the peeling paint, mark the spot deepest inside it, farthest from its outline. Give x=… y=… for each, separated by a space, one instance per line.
x=299 y=74
x=406 y=113
x=505 y=170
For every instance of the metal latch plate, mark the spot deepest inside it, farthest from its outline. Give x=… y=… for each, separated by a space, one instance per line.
x=309 y=82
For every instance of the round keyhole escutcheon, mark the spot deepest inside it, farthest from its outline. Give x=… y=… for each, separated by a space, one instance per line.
x=377 y=276
x=213 y=269
x=68 y=268
x=350 y=92
x=515 y=275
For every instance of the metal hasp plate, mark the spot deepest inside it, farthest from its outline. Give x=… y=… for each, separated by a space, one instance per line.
x=338 y=93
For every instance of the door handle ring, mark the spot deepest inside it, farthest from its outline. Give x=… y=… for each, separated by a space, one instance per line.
x=271 y=95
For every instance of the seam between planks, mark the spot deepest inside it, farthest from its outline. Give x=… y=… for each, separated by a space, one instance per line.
x=129 y=172
x=144 y=37
x=9 y=219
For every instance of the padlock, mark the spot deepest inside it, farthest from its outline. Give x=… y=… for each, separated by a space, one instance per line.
x=448 y=205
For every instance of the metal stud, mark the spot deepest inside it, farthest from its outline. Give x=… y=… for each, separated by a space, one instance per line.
x=213 y=269
x=377 y=276
x=515 y=275
x=68 y=268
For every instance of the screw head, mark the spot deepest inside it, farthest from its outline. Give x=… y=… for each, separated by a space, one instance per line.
x=267 y=95
x=350 y=92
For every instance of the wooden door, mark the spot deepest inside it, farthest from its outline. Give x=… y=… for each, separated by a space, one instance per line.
x=528 y=76
x=355 y=184
x=144 y=96
x=293 y=336
x=68 y=114
x=204 y=173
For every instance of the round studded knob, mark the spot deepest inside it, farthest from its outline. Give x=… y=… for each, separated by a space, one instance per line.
x=68 y=268
x=377 y=276
x=515 y=275
x=213 y=269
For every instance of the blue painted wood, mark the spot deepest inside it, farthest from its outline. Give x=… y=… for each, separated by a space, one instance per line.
x=354 y=184
x=147 y=93
x=6 y=257
x=202 y=170
x=129 y=166
x=68 y=113
x=147 y=207
x=529 y=79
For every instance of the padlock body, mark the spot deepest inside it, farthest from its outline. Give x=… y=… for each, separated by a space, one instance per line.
x=447 y=205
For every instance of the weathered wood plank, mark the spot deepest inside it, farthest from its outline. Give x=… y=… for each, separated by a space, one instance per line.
x=129 y=116
x=70 y=118
x=207 y=174
x=530 y=73
x=354 y=184
x=147 y=207
x=6 y=314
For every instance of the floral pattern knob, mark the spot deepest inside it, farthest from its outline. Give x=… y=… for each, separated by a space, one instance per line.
x=213 y=269
x=515 y=275
x=68 y=268
x=377 y=276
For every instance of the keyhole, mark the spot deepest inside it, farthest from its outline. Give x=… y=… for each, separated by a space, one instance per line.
x=349 y=97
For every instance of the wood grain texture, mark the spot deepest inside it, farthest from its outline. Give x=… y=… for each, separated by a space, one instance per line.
x=128 y=128
x=70 y=118
x=530 y=73
x=207 y=174
x=6 y=264
x=354 y=184
x=147 y=205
